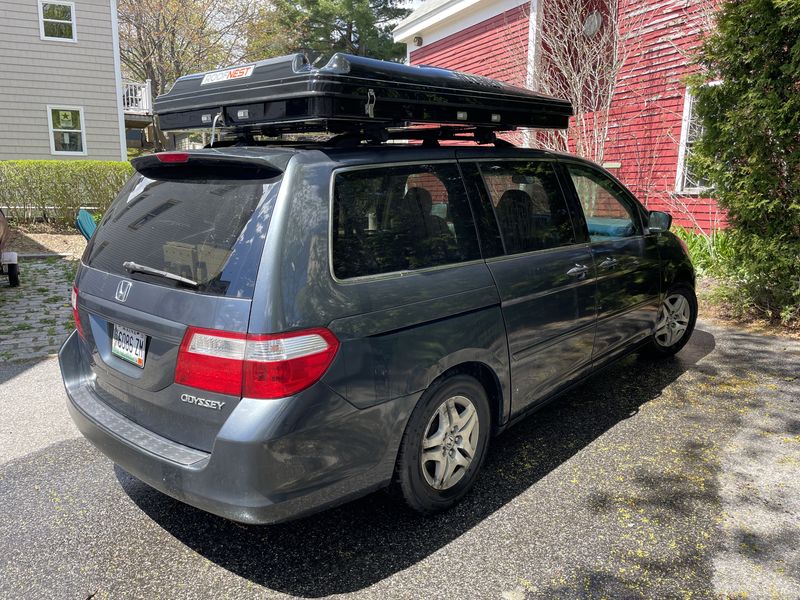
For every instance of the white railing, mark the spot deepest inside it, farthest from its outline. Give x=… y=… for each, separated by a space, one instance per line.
x=137 y=98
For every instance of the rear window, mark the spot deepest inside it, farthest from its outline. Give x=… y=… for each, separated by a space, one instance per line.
x=400 y=218
x=210 y=231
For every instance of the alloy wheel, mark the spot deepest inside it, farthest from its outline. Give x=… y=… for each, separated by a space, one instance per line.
x=673 y=320
x=450 y=442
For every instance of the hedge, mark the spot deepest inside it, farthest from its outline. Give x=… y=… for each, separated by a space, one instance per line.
x=750 y=148
x=54 y=190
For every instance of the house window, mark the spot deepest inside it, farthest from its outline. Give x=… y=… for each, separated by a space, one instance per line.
x=67 y=132
x=57 y=21
x=687 y=182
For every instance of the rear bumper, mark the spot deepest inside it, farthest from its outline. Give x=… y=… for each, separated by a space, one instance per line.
x=272 y=460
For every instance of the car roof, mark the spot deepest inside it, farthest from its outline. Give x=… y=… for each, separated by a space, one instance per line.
x=279 y=155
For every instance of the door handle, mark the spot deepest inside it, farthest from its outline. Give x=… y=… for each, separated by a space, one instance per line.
x=578 y=270
x=608 y=263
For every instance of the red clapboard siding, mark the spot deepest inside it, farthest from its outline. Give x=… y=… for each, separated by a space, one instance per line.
x=647 y=109
x=495 y=48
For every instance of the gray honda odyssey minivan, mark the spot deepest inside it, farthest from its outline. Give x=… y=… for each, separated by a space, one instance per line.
x=264 y=331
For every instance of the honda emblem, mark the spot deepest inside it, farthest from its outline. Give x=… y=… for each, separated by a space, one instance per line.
x=123 y=289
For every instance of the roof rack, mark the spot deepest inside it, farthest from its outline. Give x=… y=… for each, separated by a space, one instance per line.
x=350 y=94
x=429 y=136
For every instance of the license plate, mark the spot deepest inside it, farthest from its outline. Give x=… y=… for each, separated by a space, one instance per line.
x=129 y=345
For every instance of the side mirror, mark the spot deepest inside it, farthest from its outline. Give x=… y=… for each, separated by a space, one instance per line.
x=659 y=221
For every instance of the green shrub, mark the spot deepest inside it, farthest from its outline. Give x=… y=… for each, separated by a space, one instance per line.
x=55 y=189
x=710 y=253
x=750 y=148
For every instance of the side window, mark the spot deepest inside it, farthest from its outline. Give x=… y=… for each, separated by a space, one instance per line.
x=530 y=208
x=400 y=218
x=609 y=213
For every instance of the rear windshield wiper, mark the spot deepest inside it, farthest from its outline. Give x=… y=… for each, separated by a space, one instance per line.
x=132 y=267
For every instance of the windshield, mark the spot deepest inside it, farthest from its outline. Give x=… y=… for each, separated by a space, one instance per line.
x=208 y=231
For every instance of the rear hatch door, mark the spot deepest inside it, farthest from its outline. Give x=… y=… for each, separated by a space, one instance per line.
x=179 y=247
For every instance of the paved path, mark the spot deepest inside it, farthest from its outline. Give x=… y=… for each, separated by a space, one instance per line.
x=672 y=479
x=36 y=317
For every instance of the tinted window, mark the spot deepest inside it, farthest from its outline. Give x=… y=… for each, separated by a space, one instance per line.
x=199 y=229
x=609 y=212
x=529 y=205
x=400 y=218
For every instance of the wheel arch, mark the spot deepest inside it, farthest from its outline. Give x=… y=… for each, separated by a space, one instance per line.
x=485 y=376
x=490 y=382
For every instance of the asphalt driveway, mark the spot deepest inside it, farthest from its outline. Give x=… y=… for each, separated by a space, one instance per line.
x=656 y=479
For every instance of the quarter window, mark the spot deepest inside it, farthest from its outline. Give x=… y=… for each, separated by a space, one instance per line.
x=400 y=218
x=57 y=21
x=529 y=205
x=67 y=133
x=609 y=213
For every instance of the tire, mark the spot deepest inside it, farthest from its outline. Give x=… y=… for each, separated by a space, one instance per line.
x=677 y=315
x=13 y=275
x=425 y=484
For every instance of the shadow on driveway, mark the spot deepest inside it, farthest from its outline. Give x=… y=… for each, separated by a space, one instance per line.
x=356 y=545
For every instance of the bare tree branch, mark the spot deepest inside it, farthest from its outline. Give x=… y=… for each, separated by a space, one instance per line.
x=161 y=40
x=580 y=51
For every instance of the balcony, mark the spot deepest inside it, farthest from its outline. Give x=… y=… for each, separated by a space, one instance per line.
x=137 y=104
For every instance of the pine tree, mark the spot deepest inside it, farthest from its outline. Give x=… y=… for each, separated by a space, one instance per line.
x=320 y=28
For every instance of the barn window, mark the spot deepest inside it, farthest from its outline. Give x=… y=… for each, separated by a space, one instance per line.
x=686 y=181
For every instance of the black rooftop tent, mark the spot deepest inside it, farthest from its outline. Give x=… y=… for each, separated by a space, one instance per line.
x=286 y=94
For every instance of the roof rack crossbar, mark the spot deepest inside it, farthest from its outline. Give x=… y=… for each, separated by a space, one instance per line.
x=429 y=136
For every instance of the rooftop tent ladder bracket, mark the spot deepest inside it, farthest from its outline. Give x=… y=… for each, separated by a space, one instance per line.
x=214 y=126
x=370 y=106
x=287 y=95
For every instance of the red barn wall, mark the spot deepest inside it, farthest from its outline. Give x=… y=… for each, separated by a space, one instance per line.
x=647 y=109
x=489 y=48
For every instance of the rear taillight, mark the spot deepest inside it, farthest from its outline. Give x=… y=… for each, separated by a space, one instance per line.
x=211 y=360
x=280 y=365
x=255 y=366
x=76 y=318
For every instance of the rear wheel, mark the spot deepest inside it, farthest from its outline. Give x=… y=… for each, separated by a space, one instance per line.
x=13 y=275
x=675 y=323
x=444 y=444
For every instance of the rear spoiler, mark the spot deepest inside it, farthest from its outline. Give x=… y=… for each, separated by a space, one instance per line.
x=204 y=165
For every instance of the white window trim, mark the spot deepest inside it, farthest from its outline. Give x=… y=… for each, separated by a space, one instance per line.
x=688 y=102
x=73 y=22
x=53 y=131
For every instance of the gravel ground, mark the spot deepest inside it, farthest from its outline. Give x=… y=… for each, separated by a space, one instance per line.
x=671 y=479
x=46 y=240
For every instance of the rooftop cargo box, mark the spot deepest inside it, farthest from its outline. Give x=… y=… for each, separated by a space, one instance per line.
x=288 y=94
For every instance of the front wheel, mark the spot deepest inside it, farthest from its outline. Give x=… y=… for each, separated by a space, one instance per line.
x=675 y=323
x=444 y=444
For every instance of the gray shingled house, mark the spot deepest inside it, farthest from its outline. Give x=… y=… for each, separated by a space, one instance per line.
x=61 y=88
